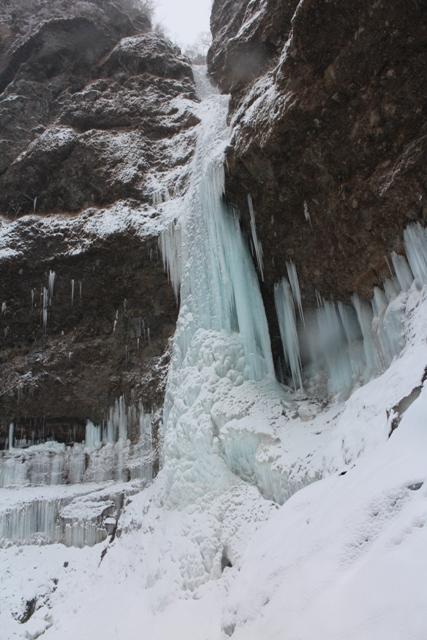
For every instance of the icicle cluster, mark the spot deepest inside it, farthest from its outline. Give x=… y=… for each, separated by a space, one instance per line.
x=170 y=246
x=106 y=454
x=341 y=345
x=209 y=264
x=78 y=521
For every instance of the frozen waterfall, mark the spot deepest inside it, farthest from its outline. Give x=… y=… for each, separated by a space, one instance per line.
x=206 y=254
x=222 y=337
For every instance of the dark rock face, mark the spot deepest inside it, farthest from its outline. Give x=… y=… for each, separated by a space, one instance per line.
x=96 y=119
x=329 y=134
x=247 y=36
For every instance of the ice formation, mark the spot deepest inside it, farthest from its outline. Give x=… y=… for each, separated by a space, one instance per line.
x=294 y=282
x=285 y=309
x=70 y=516
x=121 y=449
x=207 y=258
x=10 y=441
x=256 y=243
x=222 y=339
x=51 y=284
x=45 y=306
x=340 y=346
x=415 y=238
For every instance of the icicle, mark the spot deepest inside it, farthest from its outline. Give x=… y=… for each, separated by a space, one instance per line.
x=354 y=341
x=170 y=246
x=288 y=330
x=92 y=435
x=45 y=306
x=3 y=307
x=11 y=435
x=32 y=298
x=146 y=438
x=28 y=520
x=319 y=299
x=327 y=343
x=257 y=245
x=72 y=291
x=294 y=282
x=51 y=284
x=403 y=272
x=80 y=290
x=415 y=238
x=116 y=319
x=365 y=317
x=341 y=346
x=220 y=289
x=307 y=212
x=387 y=326
x=391 y=289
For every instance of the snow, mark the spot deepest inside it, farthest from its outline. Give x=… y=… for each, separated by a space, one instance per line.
x=274 y=515
x=81 y=231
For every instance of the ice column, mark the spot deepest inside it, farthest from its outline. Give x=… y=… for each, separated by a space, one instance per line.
x=285 y=309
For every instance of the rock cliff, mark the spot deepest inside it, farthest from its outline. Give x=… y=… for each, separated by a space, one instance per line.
x=329 y=134
x=96 y=129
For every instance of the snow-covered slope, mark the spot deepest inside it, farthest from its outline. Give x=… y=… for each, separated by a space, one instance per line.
x=342 y=558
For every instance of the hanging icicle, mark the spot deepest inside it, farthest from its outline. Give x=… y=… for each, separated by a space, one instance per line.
x=256 y=243
x=345 y=345
x=294 y=282
x=288 y=330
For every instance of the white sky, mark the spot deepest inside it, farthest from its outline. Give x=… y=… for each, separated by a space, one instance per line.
x=183 y=19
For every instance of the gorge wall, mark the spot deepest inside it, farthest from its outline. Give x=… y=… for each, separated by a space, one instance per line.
x=329 y=135
x=96 y=130
x=328 y=141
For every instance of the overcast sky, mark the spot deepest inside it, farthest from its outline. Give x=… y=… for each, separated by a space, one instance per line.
x=183 y=19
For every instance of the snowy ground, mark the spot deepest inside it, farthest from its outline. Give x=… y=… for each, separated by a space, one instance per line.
x=343 y=558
